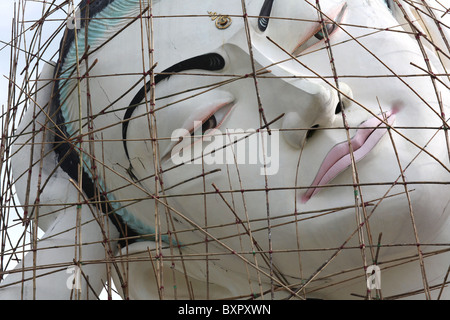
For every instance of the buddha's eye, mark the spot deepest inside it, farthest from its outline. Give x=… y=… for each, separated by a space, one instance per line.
x=209 y=124
x=322 y=31
x=212 y=121
x=203 y=129
x=330 y=27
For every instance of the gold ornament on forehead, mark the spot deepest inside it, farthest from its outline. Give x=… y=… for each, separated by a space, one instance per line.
x=222 y=21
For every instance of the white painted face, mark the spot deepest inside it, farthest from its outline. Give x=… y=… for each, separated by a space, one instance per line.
x=318 y=192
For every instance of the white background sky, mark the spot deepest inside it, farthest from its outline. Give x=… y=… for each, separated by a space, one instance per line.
x=6 y=15
x=33 y=11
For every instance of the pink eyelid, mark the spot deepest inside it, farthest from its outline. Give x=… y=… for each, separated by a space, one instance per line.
x=339 y=10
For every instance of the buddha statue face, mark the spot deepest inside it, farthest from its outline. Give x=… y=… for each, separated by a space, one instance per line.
x=268 y=136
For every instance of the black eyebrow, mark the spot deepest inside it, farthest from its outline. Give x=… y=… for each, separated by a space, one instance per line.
x=263 y=20
x=209 y=62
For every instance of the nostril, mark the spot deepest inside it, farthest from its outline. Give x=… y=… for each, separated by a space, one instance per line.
x=346 y=98
x=311 y=131
x=338 y=108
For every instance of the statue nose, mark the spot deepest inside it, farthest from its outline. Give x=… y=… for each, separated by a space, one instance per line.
x=301 y=122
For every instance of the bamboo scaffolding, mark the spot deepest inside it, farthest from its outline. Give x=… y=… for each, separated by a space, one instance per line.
x=256 y=252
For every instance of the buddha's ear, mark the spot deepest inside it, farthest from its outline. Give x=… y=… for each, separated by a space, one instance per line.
x=33 y=160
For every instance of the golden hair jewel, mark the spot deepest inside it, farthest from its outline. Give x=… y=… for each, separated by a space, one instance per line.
x=222 y=21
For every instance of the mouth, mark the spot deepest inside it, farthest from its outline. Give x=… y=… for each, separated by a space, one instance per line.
x=338 y=159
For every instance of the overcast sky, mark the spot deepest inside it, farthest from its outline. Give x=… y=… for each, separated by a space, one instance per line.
x=6 y=14
x=33 y=11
